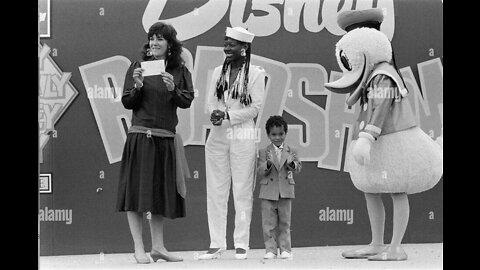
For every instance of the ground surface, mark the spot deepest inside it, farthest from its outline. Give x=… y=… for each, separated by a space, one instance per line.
x=421 y=256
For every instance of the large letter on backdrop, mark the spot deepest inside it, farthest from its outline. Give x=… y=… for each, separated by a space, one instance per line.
x=340 y=117
x=264 y=25
x=311 y=78
x=278 y=80
x=292 y=11
x=206 y=59
x=427 y=102
x=109 y=113
x=189 y=25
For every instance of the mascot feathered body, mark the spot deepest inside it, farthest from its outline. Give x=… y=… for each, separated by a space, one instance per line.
x=389 y=153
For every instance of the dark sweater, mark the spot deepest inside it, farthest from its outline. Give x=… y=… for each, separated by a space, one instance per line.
x=153 y=105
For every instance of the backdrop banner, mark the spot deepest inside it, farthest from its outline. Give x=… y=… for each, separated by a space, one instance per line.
x=86 y=47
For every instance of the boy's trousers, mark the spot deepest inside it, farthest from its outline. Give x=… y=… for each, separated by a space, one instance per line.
x=276 y=224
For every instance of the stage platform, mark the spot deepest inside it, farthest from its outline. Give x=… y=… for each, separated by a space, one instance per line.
x=421 y=256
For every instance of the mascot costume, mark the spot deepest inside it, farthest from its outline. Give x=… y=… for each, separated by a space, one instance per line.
x=389 y=153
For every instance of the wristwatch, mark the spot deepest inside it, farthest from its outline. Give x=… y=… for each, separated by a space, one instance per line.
x=137 y=86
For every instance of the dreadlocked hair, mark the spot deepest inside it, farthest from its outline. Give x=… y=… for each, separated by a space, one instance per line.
x=239 y=89
x=245 y=98
x=222 y=84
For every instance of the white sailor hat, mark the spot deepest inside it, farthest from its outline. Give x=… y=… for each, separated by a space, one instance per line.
x=240 y=34
x=351 y=19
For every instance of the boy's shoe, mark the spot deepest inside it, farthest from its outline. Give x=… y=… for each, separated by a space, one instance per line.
x=240 y=254
x=286 y=255
x=212 y=253
x=269 y=255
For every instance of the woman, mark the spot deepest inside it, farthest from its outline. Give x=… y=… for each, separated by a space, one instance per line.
x=234 y=101
x=153 y=164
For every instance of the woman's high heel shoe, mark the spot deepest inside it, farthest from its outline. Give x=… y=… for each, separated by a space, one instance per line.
x=156 y=255
x=141 y=261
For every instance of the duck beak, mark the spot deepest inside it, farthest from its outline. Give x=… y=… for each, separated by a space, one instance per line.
x=351 y=82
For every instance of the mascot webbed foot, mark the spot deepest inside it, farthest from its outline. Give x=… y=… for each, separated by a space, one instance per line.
x=391 y=253
x=364 y=252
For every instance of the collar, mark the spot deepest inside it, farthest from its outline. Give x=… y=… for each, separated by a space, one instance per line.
x=277 y=148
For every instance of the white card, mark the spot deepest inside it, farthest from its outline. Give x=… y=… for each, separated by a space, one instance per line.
x=154 y=67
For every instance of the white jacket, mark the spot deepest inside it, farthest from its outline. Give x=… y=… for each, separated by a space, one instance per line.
x=238 y=112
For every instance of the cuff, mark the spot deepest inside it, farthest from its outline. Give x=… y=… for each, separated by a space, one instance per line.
x=175 y=89
x=366 y=136
x=373 y=130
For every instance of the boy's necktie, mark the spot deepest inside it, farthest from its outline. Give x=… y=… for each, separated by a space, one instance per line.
x=278 y=151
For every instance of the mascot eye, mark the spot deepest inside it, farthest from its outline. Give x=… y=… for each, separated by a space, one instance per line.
x=345 y=62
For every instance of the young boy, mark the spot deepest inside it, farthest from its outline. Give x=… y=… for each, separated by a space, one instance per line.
x=276 y=165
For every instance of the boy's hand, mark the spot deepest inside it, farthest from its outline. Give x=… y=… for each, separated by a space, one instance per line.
x=269 y=163
x=269 y=159
x=290 y=158
x=269 y=156
x=291 y=162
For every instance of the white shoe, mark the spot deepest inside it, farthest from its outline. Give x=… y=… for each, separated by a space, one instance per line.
x=269 y=255
x=210 y=256
x=240 y=256
x=286 y=255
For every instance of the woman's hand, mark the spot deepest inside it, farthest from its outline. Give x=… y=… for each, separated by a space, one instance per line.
x=137 y=76
x=217 y=117
x=168 y=80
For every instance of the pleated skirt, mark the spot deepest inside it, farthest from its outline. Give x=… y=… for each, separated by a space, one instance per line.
x=147 y=177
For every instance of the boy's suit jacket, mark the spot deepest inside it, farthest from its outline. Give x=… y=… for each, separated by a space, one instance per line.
x=277 y=181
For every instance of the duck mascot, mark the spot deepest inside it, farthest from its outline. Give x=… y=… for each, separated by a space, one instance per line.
x=389 y=153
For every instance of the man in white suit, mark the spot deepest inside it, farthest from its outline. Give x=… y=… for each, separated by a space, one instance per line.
x=234 y=100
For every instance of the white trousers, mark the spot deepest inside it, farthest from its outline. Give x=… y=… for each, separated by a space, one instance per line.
x=229 y=159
